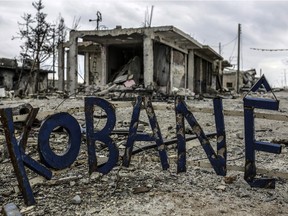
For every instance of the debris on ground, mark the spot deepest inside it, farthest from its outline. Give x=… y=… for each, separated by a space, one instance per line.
x=144 y=188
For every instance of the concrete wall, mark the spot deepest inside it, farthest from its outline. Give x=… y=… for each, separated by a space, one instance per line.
x=163 y=61
x=162 y=66
x=7 y=79
x=43 y=78
x=214 y=82
x=178 y=69
x=95 y=68
x=229 y=80
x=43 y=82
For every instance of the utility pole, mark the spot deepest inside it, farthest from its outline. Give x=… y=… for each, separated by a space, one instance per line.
x=151 y=14
x=238 y=59
x=285 y=83
x=220 y=72
x=220 y=50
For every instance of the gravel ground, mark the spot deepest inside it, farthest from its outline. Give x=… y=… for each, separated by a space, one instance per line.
x=144 y=188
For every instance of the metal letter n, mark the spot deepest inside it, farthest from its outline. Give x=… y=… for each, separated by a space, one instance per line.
x=218 y=161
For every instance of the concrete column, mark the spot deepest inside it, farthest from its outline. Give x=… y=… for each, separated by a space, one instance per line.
x=171 y=70
x=148 y=60
x=201 y=76
x=67 y=70
x=186 y=71
x=61 y=66
x=220 y=74
x=87 y=69
x=191 y=72
x=72 y=80
x=104 y=75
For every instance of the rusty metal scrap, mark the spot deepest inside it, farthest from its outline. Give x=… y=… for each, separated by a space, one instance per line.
x=170 y=142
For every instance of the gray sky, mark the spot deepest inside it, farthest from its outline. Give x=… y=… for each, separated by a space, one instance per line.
x=264 y=25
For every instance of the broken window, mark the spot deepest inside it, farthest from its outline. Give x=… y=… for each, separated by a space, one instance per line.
x=229 y=85
x=1 y=81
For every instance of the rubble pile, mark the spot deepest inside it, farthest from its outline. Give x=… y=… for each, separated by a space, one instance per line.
x=144 y=188
x=249 y=78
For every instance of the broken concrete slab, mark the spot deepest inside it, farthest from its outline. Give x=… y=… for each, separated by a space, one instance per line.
x=2 y=93
x=129 y=83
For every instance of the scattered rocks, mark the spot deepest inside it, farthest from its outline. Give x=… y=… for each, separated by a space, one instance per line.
x=11 y=209
x=93 y=211
x=72 y=183
x=240 y=135
x=221 y=187
x=76 y=199
x=230 y=179
x=141 y=189
x=144 y=188
x=270 y=199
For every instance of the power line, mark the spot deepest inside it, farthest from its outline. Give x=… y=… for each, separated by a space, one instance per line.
x=230 y=41
x=270 y=50
x=223 y=45
x=231 y=56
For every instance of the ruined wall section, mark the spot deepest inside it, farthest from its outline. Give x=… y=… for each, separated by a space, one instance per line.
x=162 y=66
x=6 y=79
x=178 y=69
x=95 y=70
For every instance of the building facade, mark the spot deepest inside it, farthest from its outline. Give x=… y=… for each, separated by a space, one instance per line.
x=158 y=57
x=14 y=77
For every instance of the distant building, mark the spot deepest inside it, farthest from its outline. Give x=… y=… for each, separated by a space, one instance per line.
x=14 y=77
x=161 y=57
x=246 y=79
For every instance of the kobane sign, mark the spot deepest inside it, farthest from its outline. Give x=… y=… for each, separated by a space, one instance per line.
x=50 y=160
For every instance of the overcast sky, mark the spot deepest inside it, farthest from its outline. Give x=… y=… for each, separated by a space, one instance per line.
x=264 y=25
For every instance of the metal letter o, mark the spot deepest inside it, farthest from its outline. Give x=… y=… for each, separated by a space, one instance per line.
x=47 y=156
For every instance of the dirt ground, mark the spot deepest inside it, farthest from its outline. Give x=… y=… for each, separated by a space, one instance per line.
x=144 y=188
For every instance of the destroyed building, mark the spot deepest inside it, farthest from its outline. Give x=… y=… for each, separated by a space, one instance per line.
x=246 y=79
x=15 y=77
x=161 y=58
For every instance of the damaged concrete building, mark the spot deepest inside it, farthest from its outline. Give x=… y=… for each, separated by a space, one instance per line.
x=246 y=79
x=156 y=57
x=15 y=77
